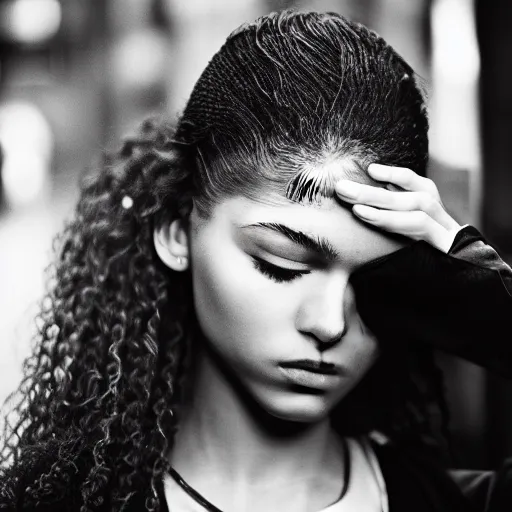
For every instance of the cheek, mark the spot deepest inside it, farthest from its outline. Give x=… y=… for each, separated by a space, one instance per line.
x=360 y=349
x=364 y=356
x=235 y=305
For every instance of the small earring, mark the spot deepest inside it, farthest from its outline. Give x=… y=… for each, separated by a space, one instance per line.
x=179 y=259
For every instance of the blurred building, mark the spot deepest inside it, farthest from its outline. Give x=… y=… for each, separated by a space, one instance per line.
x=75 y=76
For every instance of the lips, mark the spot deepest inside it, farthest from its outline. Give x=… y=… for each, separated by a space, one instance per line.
x=312 y=366
x=314 y=376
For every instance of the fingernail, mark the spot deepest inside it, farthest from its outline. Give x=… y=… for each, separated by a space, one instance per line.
x=348 y=188
x=364 y=211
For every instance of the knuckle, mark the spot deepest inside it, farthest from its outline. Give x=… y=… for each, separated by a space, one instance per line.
x=422 y=219
x=430 y=186
x=427 y=202
x=377 y=217
x=402 y=175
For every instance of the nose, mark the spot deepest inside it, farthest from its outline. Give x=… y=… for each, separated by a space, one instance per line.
x=325 y=310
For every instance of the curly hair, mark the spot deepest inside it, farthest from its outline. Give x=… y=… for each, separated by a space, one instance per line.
x=105 y=379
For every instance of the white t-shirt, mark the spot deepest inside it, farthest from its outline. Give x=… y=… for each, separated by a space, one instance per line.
x=366 y=489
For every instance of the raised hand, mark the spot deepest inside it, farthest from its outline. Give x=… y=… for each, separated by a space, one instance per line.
x=414 y=209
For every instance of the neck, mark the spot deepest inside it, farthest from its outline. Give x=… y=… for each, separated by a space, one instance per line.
x=225 y=437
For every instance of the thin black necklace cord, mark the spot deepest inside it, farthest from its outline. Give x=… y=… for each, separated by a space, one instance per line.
x=346 y=468
x=192 y=492
x=212 y=508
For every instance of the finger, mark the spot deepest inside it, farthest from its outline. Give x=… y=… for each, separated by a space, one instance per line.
x=353 y=192
x=357 y=193
x=417 y=225
x=403 y=177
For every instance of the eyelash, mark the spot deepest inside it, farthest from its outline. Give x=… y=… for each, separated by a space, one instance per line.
x=276 y=273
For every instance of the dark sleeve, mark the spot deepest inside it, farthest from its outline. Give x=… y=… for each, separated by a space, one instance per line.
x=458 y=302
x=415 y=481
x=500 y=493
x=469 y=245
x=489 y=491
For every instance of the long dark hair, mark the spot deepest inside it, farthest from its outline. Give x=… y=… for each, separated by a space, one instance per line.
x=104 y=381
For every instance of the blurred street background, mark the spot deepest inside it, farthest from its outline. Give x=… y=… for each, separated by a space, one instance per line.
x=77 y=75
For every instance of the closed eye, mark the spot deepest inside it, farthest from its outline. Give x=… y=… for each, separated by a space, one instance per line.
x=276 y=273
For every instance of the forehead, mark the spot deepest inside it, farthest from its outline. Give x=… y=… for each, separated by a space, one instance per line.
x=356 y=241
x=310 y=179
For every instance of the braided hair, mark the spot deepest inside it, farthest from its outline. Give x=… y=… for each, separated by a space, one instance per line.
x=105 y=377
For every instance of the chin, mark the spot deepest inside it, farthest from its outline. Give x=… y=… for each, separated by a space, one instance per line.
x=299 y=407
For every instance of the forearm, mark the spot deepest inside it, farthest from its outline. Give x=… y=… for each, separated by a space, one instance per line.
x=458 y=302
x=469 y=245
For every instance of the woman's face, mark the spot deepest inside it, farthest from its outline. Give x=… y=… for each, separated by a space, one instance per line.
x=272 y=296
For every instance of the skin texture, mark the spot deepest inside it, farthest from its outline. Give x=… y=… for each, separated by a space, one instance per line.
x=254 y=322
x=410 y=206
x=247 y=428
x=251 y=323
x=246 y=421
x=312 y=314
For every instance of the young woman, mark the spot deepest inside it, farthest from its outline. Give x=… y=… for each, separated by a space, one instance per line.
x=244 y=308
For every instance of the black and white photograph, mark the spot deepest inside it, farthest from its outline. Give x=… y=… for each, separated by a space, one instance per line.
x=255 y=256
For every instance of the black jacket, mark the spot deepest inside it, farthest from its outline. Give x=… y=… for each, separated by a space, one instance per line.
x=460 y=303
x=450 y=301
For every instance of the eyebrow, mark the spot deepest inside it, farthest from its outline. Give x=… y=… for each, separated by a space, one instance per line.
x=319 y=245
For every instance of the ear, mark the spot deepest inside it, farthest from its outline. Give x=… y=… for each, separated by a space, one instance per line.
x=171 y=243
